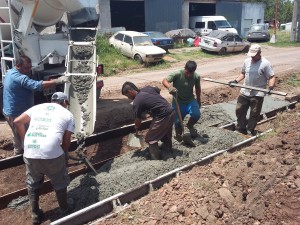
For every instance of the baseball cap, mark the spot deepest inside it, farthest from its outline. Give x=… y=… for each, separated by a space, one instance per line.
x=254 y=49
x=59 y=97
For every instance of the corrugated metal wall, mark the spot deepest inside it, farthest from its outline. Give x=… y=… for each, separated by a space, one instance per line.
x=163 y=15
x=244 y=14
x=252 y=13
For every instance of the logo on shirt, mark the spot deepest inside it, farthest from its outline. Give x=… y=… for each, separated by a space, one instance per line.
x=50 y=108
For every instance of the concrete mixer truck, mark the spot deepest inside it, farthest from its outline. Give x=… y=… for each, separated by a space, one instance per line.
x=69 y=50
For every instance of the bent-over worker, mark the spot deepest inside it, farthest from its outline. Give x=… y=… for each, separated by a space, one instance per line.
x=46 y=145
x=149 y=99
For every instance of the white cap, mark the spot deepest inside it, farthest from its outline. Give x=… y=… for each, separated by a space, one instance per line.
x=254 y=49
x=59 y=96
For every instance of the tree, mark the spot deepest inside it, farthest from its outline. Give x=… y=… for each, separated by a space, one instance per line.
x=285 y=10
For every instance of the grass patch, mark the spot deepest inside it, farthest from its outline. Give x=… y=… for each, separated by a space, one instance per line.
x=294 y=80
x=283 y=39
x=112 y=60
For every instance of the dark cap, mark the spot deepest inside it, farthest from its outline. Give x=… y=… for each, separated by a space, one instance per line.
x=59 y=97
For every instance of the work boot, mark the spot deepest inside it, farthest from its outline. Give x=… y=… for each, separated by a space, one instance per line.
x=178 y=134
x=154 y=151
x=190 y=126
x=36 y=213
x=167 y=146
x=66 y=205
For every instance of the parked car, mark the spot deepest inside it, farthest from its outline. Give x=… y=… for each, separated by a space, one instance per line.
x=258 y=32
x=137 y=46
x=161 y=40
x=223 y=41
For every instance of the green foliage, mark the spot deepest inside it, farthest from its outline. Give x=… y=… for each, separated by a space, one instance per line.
x=285 y=10
x=283 y=39
x=294 y=80
x=112 y=60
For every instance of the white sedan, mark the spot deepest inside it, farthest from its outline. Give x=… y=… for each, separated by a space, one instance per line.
x=223 y=41
x=137 y=46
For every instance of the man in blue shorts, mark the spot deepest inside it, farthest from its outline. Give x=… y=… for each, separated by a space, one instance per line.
x=184 y=82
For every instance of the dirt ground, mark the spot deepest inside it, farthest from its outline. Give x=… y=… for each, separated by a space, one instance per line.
x=256 y=185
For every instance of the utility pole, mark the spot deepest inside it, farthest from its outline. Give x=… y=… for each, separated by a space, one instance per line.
x=296 y=17
x=273 y=38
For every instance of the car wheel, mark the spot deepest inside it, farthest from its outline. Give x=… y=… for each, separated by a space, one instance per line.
x=246 y=49
x=222 y=51
x=138 y=58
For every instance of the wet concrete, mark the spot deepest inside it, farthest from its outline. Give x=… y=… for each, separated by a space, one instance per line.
x=134 y=168
x=270 y=103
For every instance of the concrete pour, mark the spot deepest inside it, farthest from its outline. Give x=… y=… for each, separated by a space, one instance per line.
x=134 y=168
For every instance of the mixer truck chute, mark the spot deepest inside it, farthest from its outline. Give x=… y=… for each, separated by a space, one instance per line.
x=71 y=45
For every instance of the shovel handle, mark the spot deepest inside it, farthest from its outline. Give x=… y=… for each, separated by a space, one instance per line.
x=178 y=112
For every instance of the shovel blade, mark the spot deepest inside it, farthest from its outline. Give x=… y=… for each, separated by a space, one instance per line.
x=134 y=140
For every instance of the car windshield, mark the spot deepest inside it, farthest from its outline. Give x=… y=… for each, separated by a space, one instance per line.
x=222 y=24
x=156 y=35
x=142 y=40
x=257 y=28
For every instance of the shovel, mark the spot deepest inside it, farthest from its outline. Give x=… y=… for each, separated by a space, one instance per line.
x=186 y=138
x=135 y=140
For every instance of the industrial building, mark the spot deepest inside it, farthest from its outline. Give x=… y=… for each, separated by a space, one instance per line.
x=158 y=15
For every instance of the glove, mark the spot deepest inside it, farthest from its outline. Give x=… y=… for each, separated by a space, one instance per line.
x=232 y=82
x=172 y=90
x=61 y=80
x=270 y=89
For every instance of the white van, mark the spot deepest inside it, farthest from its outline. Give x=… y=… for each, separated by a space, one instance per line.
x=203 y=25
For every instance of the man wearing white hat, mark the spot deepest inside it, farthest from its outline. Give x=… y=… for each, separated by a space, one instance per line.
x=256 y=72
x=46 y=144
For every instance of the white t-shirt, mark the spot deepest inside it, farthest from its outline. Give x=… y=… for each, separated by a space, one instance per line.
x=48 y=123
x=257 y=75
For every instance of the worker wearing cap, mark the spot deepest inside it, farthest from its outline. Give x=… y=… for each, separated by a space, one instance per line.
x=148 y=99
x=257 y=72
x=18 y=94
x=46 y=144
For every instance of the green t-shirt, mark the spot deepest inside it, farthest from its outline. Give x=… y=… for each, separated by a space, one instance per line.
x=184 y=85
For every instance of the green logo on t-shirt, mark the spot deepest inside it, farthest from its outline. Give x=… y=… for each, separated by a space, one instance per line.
x=50 y=108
